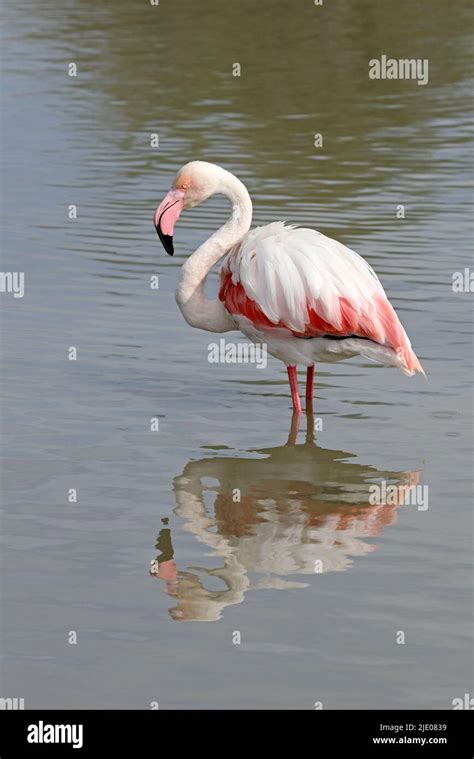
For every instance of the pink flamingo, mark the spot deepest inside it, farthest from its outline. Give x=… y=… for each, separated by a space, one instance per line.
x=304 y=295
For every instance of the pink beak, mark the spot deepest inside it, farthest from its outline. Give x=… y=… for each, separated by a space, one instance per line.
x=166 y=216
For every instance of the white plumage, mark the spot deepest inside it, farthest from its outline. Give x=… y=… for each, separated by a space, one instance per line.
x=284 y=268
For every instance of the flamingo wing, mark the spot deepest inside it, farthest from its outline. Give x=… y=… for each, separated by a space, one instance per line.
x=300 y=280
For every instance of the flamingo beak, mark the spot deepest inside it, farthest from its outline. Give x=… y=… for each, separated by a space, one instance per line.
x=166 y=216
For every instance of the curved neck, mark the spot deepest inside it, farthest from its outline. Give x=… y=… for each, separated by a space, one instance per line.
x=195 y=307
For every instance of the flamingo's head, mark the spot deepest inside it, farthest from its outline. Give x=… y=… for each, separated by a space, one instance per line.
x=194 y=183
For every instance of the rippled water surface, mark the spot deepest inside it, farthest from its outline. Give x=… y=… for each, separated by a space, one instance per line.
x=157 y=567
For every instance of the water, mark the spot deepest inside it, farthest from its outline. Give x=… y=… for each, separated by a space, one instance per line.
x=156 y=567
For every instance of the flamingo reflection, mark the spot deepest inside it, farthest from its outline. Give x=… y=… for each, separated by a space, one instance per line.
x=278 y=514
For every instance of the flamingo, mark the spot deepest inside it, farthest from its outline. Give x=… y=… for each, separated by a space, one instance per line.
x=307 y=297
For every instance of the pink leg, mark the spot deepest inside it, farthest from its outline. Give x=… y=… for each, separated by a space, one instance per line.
x=309 y=383
x=295 y=397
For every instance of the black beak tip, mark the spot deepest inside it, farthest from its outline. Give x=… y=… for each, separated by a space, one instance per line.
x=166 y=241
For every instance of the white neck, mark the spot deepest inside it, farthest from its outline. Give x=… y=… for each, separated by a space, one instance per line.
x=195 y=307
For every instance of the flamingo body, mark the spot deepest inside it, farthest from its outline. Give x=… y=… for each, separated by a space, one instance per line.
x=283 y=284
